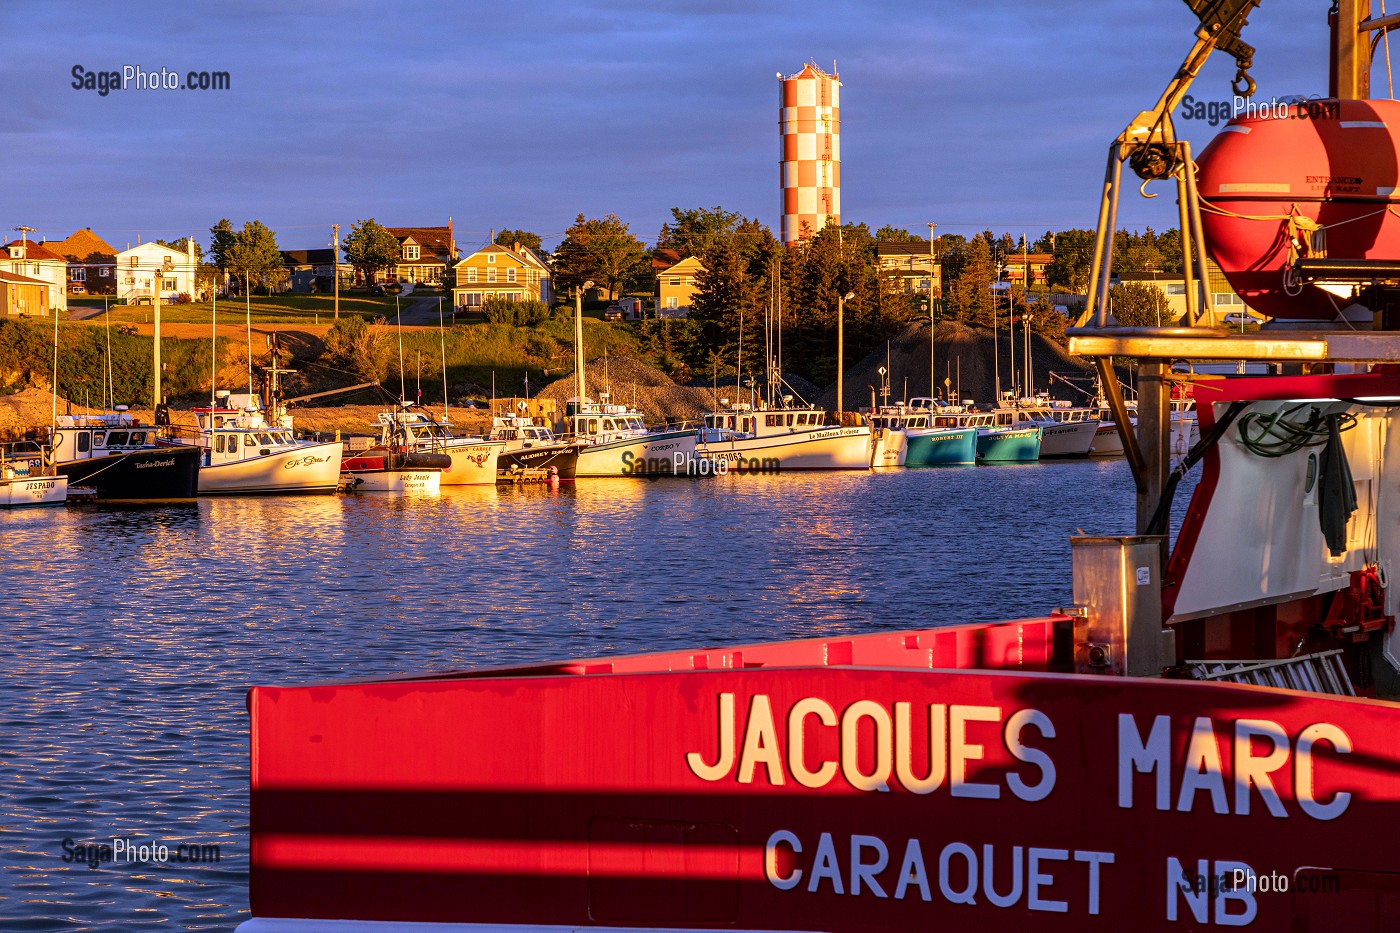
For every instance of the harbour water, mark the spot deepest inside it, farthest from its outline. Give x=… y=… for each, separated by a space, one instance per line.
x=132 y=635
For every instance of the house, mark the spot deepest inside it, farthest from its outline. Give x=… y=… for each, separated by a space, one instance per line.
x=36 y=261
x=91 y=261
x=513 y=273
x=312 y=270
x=676 y=288
x=1015 y=268
x=912 y=265
x=425 y=254
x=21 y=294
x=1224 y=299
x=137 y=269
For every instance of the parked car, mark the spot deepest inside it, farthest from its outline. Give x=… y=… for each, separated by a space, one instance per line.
x=1239 y=319
x=385 y=288
x=613 y=313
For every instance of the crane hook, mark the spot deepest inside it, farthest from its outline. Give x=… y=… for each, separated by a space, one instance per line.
x=1142 y=188
x=1243 y=84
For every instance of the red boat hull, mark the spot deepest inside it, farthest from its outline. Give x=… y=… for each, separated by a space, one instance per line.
x=839 y=785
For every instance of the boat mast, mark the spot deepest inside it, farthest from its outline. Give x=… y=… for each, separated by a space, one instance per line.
x=248 y=320
x=442 y=341
x=213 y=353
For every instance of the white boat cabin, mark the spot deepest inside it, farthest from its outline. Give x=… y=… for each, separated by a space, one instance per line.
x=900 y=417
x=83 y=437
x=603 y=422
x=237 y=428
x=743 y=421
x=520 y=432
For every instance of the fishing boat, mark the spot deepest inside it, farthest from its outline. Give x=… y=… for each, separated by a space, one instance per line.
x=889 y=435
x=933 y=445
x=386 y=470
x=613 y=440
x=775 y=440
x=531 y=446
x=1204 y=737
x=122 y=460
x=243 y=453
x=1066 y=431
x=25 y=480
x=995 y=443
x=471 y=461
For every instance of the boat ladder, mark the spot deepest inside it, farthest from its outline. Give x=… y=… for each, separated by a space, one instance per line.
x=1322 y=672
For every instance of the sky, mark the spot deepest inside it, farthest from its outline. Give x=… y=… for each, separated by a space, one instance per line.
x=524 y=115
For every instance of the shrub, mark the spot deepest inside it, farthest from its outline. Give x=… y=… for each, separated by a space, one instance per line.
x=359 y=347
x=528 y=312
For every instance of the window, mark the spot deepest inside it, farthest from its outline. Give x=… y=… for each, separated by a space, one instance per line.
x=170 y=285
x=131 y=280
x=98 y=439
x=1176 y=288
x=491 y=258
x=248 y=441
x=168 y=259
x=673 y=302
x=219 y=443
x=490 y=275
x=471 y=299
x=410 y=253
x=83 y=442
x=675 y=280
x=78 y=274
x=104 y=272
x=510 y=275
x=1226 y=298
x=471 y=275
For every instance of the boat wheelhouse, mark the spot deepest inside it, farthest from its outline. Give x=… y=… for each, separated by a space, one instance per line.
x=26 y=480
x=773 y=440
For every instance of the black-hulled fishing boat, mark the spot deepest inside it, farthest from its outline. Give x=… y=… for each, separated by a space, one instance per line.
x=531 y=446
x=119 y=458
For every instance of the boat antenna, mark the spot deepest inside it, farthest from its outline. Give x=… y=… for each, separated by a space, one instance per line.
x=442 y=341
x=420 y=377
x=398 y=324
x=739 y=378
x=778 y=287
x=248 y=319
x=54 y=432
x=213 y=351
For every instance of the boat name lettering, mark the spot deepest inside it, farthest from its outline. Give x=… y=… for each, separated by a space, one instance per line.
x=306 y=460
x=871 y=866
x=957 y=737
x=1205 y=770
x=155 y=463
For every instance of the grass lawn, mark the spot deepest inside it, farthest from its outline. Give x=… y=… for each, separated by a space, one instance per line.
x=278 y=309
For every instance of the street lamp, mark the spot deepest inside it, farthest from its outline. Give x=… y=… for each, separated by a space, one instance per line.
x=841 y=352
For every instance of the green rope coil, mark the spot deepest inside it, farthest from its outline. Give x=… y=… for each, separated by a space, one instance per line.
x=1282 y=433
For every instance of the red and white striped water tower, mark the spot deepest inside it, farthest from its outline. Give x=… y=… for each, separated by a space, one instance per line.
x=809 y=119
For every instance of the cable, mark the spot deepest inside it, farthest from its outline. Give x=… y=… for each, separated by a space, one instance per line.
x=1279 y=434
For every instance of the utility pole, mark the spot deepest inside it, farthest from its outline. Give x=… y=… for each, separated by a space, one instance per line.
x=841 y=353
x=335 y=266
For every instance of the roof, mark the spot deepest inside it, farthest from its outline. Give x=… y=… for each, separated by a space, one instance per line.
x=901 y=248
x=35 y=251
x=690 y=264
x=81 y=244
x=14 y=279
x=524 y=257
x=308 y=257
x=435 y=238
x=1217 y=277
x=663 y=259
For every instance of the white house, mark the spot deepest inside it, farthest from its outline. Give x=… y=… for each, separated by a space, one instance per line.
x=139 y=265
x=36 y=261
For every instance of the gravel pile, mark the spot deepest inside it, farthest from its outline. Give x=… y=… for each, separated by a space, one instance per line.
x=643 y=387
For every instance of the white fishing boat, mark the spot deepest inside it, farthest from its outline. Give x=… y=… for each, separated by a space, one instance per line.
x=386 y=471
x=774 y=440
x=473 y=461
x=616 y=441
x=26 y=481
x=1184 y=432
x=245 y=453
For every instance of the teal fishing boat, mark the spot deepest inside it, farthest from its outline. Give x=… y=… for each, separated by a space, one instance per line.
x=930 y=444
x=995 y=444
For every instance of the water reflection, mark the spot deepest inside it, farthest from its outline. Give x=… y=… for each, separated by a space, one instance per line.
x=132 y=635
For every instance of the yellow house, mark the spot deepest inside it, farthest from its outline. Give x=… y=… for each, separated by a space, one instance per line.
x=675 y=287
x=21 y=294
x=513 y=273
x=1224 y=300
